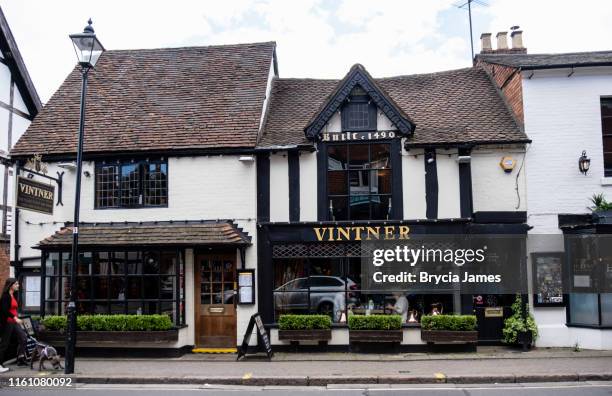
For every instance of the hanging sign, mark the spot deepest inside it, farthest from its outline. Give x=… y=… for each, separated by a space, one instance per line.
x=262 y=336
x=35 y=196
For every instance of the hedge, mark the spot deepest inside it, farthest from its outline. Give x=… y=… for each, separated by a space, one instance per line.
x=111 y=323
x=375 y=322
x=304 y=322
x=449 y=322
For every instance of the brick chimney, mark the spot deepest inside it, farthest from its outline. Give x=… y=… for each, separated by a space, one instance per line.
x=517 y=42
x=485 y=43
x=502 y=41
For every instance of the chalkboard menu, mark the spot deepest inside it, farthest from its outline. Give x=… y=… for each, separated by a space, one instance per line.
x=262 y=336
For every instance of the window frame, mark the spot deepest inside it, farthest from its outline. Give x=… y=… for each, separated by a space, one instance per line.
x=372 y=114
x=394 y=167
x=60 y=276
x=141 y=164
x=605 y=134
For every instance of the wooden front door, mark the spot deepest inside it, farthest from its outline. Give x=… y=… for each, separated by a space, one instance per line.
x=215 y=276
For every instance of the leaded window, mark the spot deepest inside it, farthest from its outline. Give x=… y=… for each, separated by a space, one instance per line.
x=132 y=184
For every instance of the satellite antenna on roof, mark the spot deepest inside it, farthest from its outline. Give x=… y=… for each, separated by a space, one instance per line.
x=468 y=3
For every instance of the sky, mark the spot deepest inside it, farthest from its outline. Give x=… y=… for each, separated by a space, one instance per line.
x=315 y=38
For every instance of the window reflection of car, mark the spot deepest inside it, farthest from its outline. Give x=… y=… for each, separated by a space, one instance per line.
x=326 y=295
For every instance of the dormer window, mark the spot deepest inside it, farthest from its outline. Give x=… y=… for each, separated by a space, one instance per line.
x=359 y=112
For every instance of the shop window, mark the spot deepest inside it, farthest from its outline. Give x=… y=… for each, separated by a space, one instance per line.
x=117 y=282
x=132 y=185
x=332 y=286
x=590 y=280
x=359 y=181
x=606 y=130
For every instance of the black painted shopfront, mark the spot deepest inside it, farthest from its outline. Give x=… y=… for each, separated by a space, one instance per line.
x=316 y=268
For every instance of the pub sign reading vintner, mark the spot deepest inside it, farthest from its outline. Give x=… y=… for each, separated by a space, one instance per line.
x=35 y=196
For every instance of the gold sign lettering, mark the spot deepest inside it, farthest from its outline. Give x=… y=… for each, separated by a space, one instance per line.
x=355 y=233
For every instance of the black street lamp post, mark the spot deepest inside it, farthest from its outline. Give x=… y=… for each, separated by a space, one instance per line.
x=88 y=49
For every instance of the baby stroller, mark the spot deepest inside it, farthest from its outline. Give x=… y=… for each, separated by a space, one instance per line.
x=35 y=349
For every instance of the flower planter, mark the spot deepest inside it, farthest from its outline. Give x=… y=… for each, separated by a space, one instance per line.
x=525 y=339
x=305 y=335
x=111 y=338
x=446 y=336
x=602 y=217
x=368 y=336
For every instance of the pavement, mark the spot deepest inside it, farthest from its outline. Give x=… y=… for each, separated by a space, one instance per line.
x=486 y=366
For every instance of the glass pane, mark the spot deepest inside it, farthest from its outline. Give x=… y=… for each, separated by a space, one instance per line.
x=51 y=308
x=380 y=156
x=130 y=185
x=337 y=157
x=168 y=263
x=134 y=261
x=100 y=307
x=83 y=288
x=151 y=263
x=52 y=264
x=380 y=207
x=608 y=163
x=84 y=266
x=52 y=288
x=359 y=156
x=150 y=307
x=134 y=308
x=357 y=116
x=134 y=290
x=339 y=208
x=359 y=182
x=66 y=263
x=117 y=308
x=101 y=264
x=606 y=124
x=583 y=309
x=380 y=181
x=100 y=288
x=119 y=262
x=606 y=107
x=156 y=184
x=290 y=301
x=167 y=288
x=107 y=186
x=169 y=308
x=360 y=207
x=336 y=182
x=117 y=288
x=606 y=309
x=287 y=271
x=151 y=287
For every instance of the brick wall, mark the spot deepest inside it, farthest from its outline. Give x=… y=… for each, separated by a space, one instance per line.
x=508 y=80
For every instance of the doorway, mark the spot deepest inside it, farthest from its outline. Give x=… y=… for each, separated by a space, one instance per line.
x=215 y=300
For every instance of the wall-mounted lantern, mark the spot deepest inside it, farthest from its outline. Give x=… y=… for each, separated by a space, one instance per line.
x=584 y=163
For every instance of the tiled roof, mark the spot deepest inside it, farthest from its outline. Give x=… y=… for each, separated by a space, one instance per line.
x=545 y=61
x=457 y=106
x=158 y=99
x=212 y=233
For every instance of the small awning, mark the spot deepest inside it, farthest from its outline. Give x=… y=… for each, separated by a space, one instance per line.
x=186 y=233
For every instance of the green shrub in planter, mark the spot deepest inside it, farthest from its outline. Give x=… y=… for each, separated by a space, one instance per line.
x=111 y=323
x=304 y=322
x=449 y=322
x=375 y=322
x=515 y=324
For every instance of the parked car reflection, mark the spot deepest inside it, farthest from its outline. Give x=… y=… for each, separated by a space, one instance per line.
x=327 y=295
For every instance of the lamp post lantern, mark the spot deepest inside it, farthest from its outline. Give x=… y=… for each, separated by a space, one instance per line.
x=88 y=49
